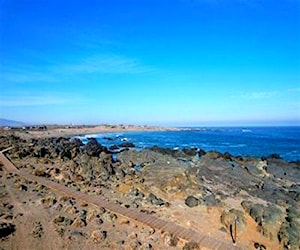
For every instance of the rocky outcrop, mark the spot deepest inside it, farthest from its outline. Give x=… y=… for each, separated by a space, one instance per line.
x=93 y=148
x=153 y=177
x=233 y=217
x=268 y=218
x=289 y=233
x=167 y=151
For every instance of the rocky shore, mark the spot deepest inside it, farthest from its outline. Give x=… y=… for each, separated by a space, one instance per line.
x=251 y=202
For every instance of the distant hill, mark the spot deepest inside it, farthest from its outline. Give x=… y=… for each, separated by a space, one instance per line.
x=10 y=123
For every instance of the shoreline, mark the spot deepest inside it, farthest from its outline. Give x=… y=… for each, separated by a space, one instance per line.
x=52 y=131
x=68 y=131
x=197 y=190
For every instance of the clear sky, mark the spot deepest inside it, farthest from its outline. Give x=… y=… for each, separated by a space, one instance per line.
x=163 y=62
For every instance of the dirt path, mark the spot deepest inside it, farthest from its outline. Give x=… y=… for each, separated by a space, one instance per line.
x=204 y=240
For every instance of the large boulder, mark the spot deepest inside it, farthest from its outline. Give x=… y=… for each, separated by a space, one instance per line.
x=93 y=148
x=289 y=233
x=191 y=201
x=268 y=218
x=153 y=199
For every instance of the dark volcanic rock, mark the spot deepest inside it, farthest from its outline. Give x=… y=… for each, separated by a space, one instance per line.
x=108 y=138
x=167 y=151
x=191 y=201
x=6 y=229
x=37 y=230
x=191 y=246
x=154 y=200
x=294 y=192
x=93 y=148
x=201 y=152
x=267 y=217
x=127 y=145
x=227 y=156
x=211 y=200
x=114 y=147
x=190 y=151
x=289 y=234
x=76 y=142
x=137 y=193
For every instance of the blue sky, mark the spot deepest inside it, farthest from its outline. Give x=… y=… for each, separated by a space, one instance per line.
x=163 y=62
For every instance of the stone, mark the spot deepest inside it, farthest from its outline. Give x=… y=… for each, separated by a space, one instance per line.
x=127 y=145
x=114 y=147
x=41 y=172
x=191 y=246
x=261 y=166
x=93 y=148
x=91 y=214
x=268 y=218
x=37 y=230
x=60 y=231
x=227 y=156
x=259 y=246
x=211 y=200
x=59 y=219
x=254 y=210
x=135 y=244
x=213 y=155
x=79 y=222
x=75 y=235
x=190 y=151
x=98 y=235
x=154 y=200
x=6 y=229
x=228 y=219
x=146 y=246
x=22 y=187
x=170 y=240
x=137 y=193
x=110 y=217
x=201 y=152
x=191 y=201
x=108 y=138
x=167 y=151
x=289 y=233
x=124 y=221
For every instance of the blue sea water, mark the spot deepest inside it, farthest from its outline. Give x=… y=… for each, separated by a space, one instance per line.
x=254 y=141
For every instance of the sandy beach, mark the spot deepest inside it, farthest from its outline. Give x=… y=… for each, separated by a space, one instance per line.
x=65 y=131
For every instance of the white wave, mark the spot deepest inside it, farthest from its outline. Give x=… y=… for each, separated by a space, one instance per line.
x=238 y=146
x=246 y=130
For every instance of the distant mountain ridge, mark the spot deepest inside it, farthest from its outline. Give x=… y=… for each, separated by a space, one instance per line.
x=10 y=123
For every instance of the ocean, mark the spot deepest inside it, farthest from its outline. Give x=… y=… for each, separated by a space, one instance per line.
x=253 y=141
